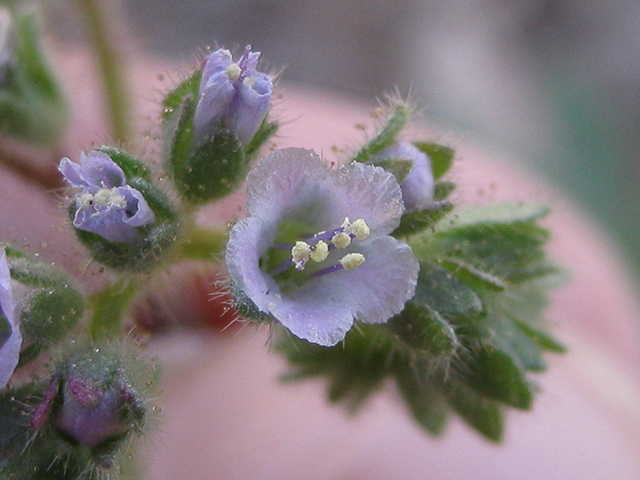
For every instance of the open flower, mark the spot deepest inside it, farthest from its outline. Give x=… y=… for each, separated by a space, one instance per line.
x=418 y=187
x=315 y=253
x=106 y=205
x=10 y=336
x=233 y=97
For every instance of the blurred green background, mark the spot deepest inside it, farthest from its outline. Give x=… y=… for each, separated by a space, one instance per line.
x=556 y=82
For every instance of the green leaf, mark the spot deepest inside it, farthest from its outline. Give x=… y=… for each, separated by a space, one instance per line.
x=473 y=276
x=413 y=222
x=482 y=414
x=426 y=403
x=442 y=190
x=265 y=132
x=442 y=291
x=494 y=373
x=441 y=157
x=393 y=125
x=494 y=214
x=423 y=328
x=543 y=340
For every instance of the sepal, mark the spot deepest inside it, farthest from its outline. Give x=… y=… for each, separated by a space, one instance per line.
x=49 y=305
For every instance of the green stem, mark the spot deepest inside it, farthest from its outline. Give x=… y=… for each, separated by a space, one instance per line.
x=100 y=30
x=202 y=243
x=109 y=307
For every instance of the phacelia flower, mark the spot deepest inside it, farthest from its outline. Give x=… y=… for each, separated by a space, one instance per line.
x=10 y=336
x=233 y=97
x=106 y=205
x=418 y=187
x=315 y=252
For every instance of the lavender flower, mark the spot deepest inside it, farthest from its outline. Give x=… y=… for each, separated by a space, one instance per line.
x=106 y=205
x=233 y=97
x=418 y=187
x=10 y=336
x=315 y=253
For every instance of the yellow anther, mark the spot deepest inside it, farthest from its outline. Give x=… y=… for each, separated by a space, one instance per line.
x=233 y=72
x=300 y=254
x=341 y=240
x=320 y=252
x=352 y=261
x=360 y=229
x=105 y=197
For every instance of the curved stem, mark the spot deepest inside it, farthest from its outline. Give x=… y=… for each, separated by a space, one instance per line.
x=109 y=307
x=100 y=31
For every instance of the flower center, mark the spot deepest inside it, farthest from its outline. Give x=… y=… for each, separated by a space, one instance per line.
x=317 y=255
x=103 y=199
x=237 y=72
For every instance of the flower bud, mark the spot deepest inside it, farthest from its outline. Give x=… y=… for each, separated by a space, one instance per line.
x=418 y=187
x=233 y=98
x=118 y=215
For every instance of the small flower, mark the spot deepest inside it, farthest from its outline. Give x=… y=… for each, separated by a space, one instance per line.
x=10 y=336
x=418 y=187
x=233 y=97
x=301 y=259
x=106 y=205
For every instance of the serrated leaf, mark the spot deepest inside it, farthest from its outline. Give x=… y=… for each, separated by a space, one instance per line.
x=423 y=328
x=481 y=413
x=442 y=190
x=426 y=403
x=543 y=340
x=442 y=291
x=441 y=157
x=472 y=275
x=494 y=373
x=413 y=222
x=395 y=122
x=497 y=213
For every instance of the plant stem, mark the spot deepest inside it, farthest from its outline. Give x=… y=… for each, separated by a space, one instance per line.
x=99 y=27
x=109 y=307
x=202 y=243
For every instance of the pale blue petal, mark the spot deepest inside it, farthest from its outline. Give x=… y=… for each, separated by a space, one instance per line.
x=10 y=351
x=418 y=187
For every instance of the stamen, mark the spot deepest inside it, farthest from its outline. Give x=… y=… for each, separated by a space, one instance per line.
x=360 y=229
x=300 y=254
x=320 y=252
x=351 y=261
x=341 y=240
x=244 y=64
x=105 y=197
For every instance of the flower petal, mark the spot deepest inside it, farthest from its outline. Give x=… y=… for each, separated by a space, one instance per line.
x=10 y=351
x=288 y=182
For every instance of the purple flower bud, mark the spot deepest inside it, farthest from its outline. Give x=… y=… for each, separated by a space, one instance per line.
x=233 y=97
x=315 y=253
x=418 y=187
x=10 y=336
x=97 y=404
x=106 y=205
